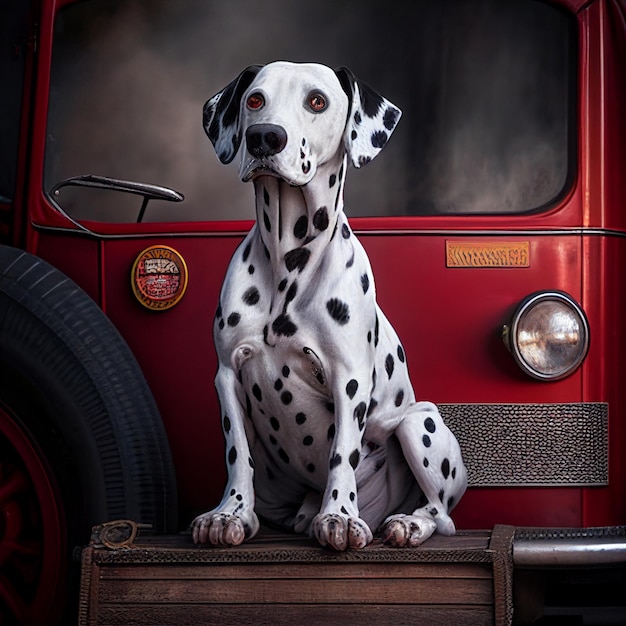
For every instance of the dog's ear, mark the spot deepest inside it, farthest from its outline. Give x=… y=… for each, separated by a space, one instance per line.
x=371 y=119
x=221 y=115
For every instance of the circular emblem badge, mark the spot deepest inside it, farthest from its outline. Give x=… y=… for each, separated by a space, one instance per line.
x=159 y=277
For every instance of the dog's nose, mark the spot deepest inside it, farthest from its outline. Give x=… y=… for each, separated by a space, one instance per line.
x=264 y=140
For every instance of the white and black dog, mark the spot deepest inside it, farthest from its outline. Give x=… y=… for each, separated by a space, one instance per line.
x=323 y=433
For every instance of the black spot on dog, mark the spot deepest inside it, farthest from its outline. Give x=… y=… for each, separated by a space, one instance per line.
x=365 y=282
x=401 y=356
x=445 y=468
x=273 y=440
x=369 y=336
x=441 y=495
x=320 y=218
x=283 y=325
x=350 y=261
x=233 y=319
x=306 y=167
x=370 y=101
x=354 y=135
x=256 y=391
x=251 y=296
x=330 y=407
x=250 y=269
x=351 y=388
x=307 y=441
x=266 y=331
x=359 y=410
x=266 y=252
x=232 y=455
x=266 y=221
x=239 y=497
x=345 y=231
x=248 y=407
x=453 y=473
x=283 y=455
x=297 y=258
x=357 y=116
x=389 y=365
x=278 y=384
x=374 y=378
x=286 y=371
x=352 y=496
x=275 y=424
x=227 y=424
x=246 y=252
x=390 y=118
x=300 y=228
x=291 y=293
x=335 y=461
x=232 y=492
x=354 y=459
x=221 y=324
x=300 y=418
x=338 y=310
x=334 y=494
x=376 y=330
x=310 y=468
x=282 y=284
x=372 y=407
x=286 y=397
x=266 y=196
x=344 y=511
x=332 y=180
x=426 y=441
x=450 y=503
x=429 y=425
x=218 y=312
x=426 y=462
x=331 y=432
x=399 y=398
x=379 y=139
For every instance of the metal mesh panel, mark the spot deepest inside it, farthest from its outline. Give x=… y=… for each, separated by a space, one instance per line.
x=508 y=445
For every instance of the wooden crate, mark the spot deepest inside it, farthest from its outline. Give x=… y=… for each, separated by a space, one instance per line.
x=285 y=579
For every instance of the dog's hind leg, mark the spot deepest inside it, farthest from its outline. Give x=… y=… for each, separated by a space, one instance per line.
x=434 y=456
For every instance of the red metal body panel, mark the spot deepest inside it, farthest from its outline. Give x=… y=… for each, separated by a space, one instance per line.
x=449 y=319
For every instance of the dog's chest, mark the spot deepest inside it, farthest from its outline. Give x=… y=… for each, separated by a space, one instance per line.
x=289 y=404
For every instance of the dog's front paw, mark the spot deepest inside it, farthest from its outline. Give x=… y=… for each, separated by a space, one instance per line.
x=340 y=532
x=223 y=529
x=401 y=531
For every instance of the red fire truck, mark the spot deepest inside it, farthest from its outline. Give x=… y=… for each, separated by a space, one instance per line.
x=495 y=223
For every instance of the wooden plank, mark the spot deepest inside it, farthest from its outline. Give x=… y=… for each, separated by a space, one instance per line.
x=297 y=591
x=288 y=615
x=298 y=570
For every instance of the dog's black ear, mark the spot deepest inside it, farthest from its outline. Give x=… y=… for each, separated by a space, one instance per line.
x=371 y=119
x=221 y=115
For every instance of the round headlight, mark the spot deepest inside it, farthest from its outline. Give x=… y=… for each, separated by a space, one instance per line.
x=548 y=335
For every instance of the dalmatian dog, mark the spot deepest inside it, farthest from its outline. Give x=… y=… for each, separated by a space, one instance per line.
x=323 y=433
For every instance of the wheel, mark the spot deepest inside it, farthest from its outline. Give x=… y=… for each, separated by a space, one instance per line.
x=80 y=435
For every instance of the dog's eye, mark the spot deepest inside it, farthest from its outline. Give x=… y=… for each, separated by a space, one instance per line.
x=255 y=101
x=316 y=102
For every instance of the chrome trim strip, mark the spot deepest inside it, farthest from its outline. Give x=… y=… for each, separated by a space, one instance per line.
x=599 y=232
x=554 y=547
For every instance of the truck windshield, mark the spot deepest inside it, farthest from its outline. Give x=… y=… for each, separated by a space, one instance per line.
x=487 y=90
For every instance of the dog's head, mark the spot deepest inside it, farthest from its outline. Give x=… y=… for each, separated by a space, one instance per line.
x=291 y=118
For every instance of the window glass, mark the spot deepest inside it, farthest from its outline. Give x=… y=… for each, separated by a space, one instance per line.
x=486 y=87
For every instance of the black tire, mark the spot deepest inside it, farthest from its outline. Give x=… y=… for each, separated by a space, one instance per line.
x=76 y=389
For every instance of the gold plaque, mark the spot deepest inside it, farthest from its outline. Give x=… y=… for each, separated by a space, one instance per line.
x=159 y=277
x=492 y=254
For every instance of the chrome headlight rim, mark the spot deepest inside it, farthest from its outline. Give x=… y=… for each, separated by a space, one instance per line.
x=529 y=303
